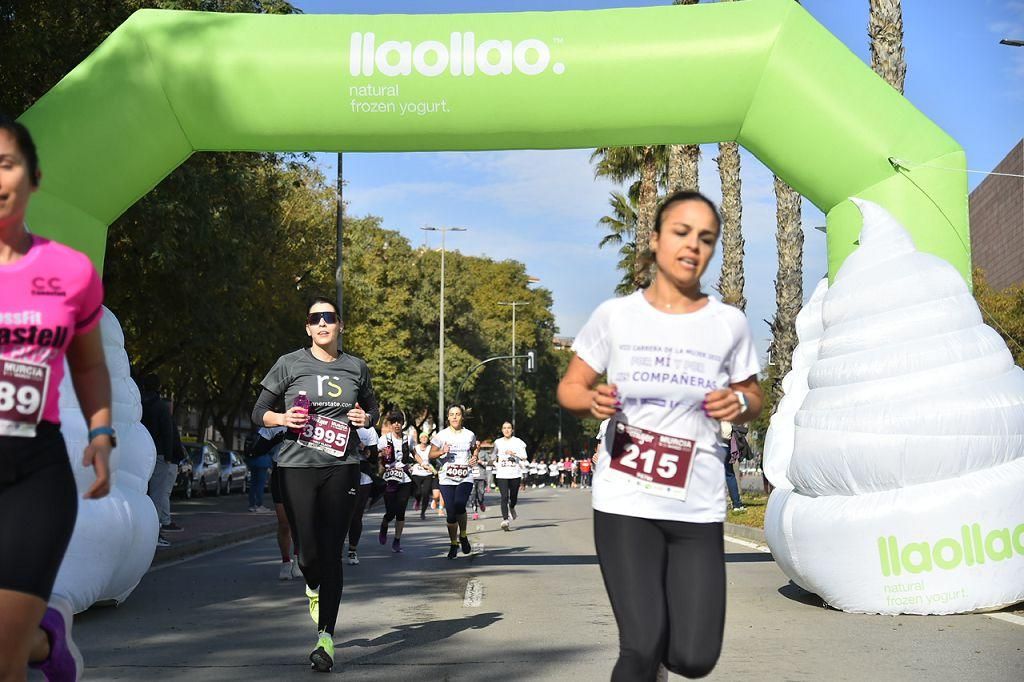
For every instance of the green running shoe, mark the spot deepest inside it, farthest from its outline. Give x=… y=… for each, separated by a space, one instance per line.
x=322 y=658
x=314 y=604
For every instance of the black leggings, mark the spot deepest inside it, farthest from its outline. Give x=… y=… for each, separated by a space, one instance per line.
x=423 y=485
x=666 y=583
x=455 y=499
x=38 y=508
x=509 y=488
x=320 y=502
x=396 y=502
x=355 y=527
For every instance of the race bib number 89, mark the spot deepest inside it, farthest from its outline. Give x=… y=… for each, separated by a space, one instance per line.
x=328 y=435
x=653 y=462
x=23 y=388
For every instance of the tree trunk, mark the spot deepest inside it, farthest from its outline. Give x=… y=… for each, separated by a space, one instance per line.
x=730 y=285
x=885 y=28
x=682 y=159
x=789 y=282
x=645 y=210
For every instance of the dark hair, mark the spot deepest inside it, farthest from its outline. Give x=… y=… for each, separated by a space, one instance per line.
x=645 y=257
x=395 y=417
x=462 y=409
x=26 y=146
x=322 y=299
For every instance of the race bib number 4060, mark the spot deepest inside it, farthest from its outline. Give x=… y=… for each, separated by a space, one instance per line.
x=23 y=387
x=325 y=434
x=653 y=462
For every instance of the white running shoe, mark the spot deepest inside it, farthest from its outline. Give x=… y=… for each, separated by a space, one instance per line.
x=286 y=571
x=296 y=573
x=504 y=525
x=353 y=558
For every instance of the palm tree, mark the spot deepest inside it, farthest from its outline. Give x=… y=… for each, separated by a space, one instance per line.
x=622 y=164
x=789 y=288
x=621 y=226
x=885 y=28
x=730 y=283
x=683 y=158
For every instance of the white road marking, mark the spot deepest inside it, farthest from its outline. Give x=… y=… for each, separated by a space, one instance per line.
x=748 y=543
x=474 y=594
x=1008 y=617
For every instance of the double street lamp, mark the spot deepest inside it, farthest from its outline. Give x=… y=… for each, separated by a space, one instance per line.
x=440 y=336
x=514 y=305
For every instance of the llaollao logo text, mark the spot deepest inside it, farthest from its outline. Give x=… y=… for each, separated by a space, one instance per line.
x=973 y=547
x=460 y=56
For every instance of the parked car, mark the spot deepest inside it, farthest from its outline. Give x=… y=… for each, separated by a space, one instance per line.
x=232 y=472
x=205 y=467
x=183 y=482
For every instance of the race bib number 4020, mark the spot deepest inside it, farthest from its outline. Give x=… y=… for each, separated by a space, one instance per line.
x=23 y=387
x=325 y=434
x=651 y=461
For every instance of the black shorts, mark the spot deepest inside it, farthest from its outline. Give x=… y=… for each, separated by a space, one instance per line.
x=276 y=493
x=38 y=508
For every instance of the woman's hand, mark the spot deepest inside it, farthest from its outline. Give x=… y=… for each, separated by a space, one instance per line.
x=605 y=401
x=723 y=405
x=474 y=459
x=295 y=418
x=358 y=416
x=97 y=455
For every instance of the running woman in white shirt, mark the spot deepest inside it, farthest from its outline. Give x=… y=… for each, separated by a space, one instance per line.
x=395 y=461
x=678 y=362
x=422 y=473
x=456 y=450
x=510 y=454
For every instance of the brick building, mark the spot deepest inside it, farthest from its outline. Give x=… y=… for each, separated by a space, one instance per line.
x=997 y=222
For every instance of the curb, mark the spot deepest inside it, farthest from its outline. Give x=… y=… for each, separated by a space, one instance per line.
x=186 y=549
x=745 y=532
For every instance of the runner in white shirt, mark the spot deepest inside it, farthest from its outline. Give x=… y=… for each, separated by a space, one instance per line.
x=554 y=468
x=677 y=363
x=367 y=462
x=455 y=449
x=422 y=473
x=510 y=454
x=395 y=462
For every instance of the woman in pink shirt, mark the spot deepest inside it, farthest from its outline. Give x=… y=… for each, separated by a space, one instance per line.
x=50 y=307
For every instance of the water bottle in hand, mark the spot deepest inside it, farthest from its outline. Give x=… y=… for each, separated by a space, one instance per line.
x=302 y=402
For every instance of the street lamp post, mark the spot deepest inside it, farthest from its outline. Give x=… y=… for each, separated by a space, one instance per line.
x=440 y=336
x=514 y=304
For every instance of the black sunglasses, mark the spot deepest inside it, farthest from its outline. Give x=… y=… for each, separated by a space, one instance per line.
x=328 y=317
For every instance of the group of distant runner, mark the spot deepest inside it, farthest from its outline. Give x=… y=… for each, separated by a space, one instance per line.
x=658 y=481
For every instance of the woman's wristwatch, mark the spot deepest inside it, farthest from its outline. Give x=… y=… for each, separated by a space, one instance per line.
x=741 y=396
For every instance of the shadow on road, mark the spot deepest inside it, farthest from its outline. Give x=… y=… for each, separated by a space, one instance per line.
x=748 y=558
x=404 y=637
x=798 y=594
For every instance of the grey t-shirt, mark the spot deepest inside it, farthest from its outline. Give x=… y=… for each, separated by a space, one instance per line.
x=333 y=388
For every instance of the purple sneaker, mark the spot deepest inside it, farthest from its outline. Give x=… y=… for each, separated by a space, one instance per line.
x=65 y=661
x=382 y=536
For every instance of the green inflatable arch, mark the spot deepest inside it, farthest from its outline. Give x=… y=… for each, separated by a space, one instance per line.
x=761 y=72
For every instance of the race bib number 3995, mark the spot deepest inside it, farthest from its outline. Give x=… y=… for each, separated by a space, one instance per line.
x=328 y=435
x=651 y=461
x=23 y=387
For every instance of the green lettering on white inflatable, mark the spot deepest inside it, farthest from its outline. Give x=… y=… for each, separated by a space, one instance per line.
x=949 y=553
x=762 y=72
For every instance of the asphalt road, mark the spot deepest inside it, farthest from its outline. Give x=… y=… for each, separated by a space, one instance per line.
x=528 y=605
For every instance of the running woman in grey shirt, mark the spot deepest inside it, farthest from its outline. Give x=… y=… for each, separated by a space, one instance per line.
x=318 y=460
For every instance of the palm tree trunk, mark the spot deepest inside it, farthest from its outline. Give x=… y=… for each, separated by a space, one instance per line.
x=730 y=284
x=682 y=158
x=789 y=289
x=885 y=28
x=646 y=207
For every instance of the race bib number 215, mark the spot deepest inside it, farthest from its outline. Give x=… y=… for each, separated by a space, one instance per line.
x=653 y=462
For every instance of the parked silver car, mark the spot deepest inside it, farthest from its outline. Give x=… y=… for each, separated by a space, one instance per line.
x=232 y=472
x=205 y=467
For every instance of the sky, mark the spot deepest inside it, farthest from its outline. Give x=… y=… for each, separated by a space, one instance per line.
x=542 y=207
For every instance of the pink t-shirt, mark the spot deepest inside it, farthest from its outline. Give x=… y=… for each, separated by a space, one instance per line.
x=46 y=298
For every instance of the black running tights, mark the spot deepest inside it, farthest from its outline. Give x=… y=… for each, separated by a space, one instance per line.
x=666 y=583
x=422 y=486
x=396 y=502
x=355 y=527
x=509 y=488
x=319 y=502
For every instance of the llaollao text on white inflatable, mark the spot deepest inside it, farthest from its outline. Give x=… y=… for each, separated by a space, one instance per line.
x=114 y=539
x=904 y=491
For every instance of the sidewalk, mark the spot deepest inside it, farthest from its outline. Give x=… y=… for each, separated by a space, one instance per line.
x=213 y=521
